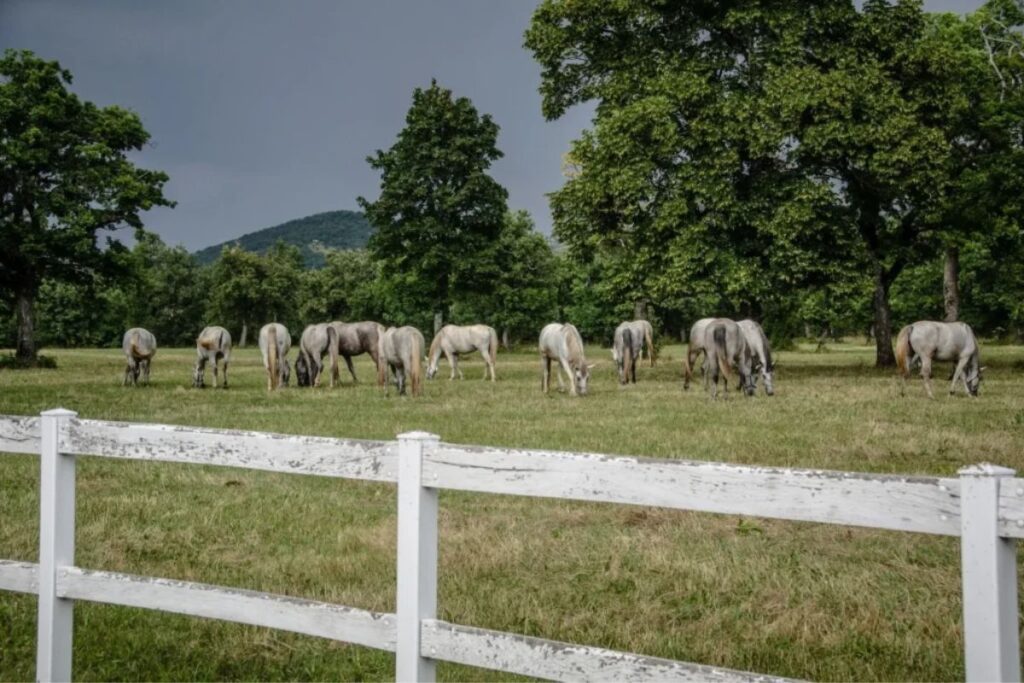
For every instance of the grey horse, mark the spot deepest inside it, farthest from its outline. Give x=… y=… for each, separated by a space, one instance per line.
x=928 y=341
x=275 y=342
x=316 y=341
x=726 y=348
x=455 y=339
x=626 y=345
x=354 y=339
x=139 y=346
x=643 y=331
x=401 y=351
x=694 y=349
x=562 y=343
x=212 y=344
x=761 y=352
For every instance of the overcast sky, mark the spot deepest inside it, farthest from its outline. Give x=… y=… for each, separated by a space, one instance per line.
x=261 y=111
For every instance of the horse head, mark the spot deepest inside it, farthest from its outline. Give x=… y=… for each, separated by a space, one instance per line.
x=973 y=379
x=768 y=372
x=581 y=374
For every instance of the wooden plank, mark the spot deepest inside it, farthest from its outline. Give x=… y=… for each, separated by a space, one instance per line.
x=558 y=661
x=920 y=504
x=322 y=619
x=347 y=458
x=19 y=577
x=1011 y=507
x=19 y=434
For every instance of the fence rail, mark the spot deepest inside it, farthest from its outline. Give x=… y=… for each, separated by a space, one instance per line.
x=984 y=506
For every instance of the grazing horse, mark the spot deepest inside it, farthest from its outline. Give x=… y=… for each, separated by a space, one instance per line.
x=929 y=341
x=563 y=344
x=643 y=331
x=354 y=339
x=456 y=339
x=696 y=347
x=401 y=350
x=275 y=342
x=301 y=371
x=316 y=341
x=761 y=352
x=626 y=349
x=725 y=348
x=212 y=344
x=139 y=347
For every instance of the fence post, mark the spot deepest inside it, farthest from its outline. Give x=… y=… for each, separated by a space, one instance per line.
x=417 y=556
x=56 y=548
x=989 y=566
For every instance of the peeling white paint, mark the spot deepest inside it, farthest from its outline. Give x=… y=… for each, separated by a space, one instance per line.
x=19 y=577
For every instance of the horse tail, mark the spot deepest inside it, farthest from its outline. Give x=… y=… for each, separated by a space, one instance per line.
x=627 y=353
x=133 y=345
x=332 y=349
x=415 y=365
x=650 y=343
x=272 y=356
x=904 y=351
x=721 y=352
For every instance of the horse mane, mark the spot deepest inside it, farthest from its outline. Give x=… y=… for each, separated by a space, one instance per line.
x=573 y=343
x=436 y=342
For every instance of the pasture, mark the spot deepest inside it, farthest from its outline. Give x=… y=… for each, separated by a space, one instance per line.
x=793 y=599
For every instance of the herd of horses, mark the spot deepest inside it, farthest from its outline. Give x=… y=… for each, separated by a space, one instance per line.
x=729 y=348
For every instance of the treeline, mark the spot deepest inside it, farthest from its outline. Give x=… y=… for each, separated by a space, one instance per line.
x=522 y=285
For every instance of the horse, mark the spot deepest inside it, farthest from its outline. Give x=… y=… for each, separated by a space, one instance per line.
x=301 y=371
x=275 y=342
x=354 y=339
x=401 y=350
x=456 y=339
x=761 y=351
x=724 y=348
x=139 y=346
x=316 y=341
x=643 y=332
x=626 y=345
x=927 y=341
x=695 y=348
x=212 y=344
x=563 y=344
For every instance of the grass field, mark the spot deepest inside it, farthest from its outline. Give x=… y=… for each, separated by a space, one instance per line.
x=793 y=599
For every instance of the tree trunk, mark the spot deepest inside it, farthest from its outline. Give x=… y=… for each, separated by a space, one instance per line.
x=26 y=347
x=245 y=335
x=951 y=284
x=884 y=356
x=640 y=310
x=438 y=321
x=506 y=338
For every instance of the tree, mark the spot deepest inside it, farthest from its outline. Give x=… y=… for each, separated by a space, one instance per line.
x=344 y=289
x=65 y=177
x=238 y=298
x=438 y=209
x=168 y=292
x=515 y=282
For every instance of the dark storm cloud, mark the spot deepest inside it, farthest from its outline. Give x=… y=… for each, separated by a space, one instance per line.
x=265 y=111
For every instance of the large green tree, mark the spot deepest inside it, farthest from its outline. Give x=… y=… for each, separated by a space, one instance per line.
x=65 y=177
x=438 y=208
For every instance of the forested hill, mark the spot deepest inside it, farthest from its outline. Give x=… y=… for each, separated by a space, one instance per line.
x=334 y=229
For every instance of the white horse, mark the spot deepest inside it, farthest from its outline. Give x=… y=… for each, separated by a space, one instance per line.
x=643 y=331
x=455 y=339
x=212 y=344
x=139 y=346
x=275 y=342
x=761 y=352
x=316 y=341
x=626 y=345
x=563 y=344
x=695 y=348
x=927 y=341
x=401 y=351
x=725 y=348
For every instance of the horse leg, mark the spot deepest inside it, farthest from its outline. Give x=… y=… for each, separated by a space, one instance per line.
x=451 y=363
x=400 y=378
x=545 y=373
x=127 y=374
x=225 y=371
x=569 y=373
x=216 y=375
x=351 y=369
x=688 y=368
x=926 y=375
x=959 y=373
x=145 y=369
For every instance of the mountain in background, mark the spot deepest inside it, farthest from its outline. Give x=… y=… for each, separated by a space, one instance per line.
x=331 y=229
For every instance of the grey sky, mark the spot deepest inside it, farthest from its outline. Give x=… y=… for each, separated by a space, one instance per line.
x=265 y=111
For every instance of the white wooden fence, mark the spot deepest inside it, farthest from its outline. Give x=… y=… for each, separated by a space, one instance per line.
x=984 y=506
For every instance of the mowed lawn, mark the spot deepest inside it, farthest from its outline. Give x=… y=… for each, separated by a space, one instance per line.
x=793 y=599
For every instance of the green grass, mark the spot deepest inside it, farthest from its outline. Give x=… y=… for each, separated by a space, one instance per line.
x=804 y=600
